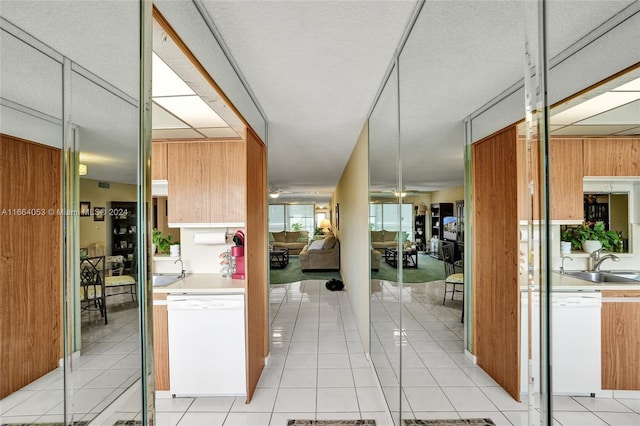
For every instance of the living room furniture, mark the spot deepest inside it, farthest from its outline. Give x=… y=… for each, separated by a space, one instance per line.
x=292 y=240
x=383 y=239
x=438 y=212
x=92 y=288
x=419 y=230
x=279 y=258
x=321 y=255
x=375 y=259
x=453 y=279
x=409 y=257
x=116 y=281
x=122 y=218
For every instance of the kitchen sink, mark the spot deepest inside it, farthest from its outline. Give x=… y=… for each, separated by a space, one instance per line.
x=162 y=280
x=629 y=274
x=602 y=276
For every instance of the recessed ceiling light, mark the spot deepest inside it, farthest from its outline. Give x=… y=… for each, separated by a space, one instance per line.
x=594 y=106
x=192 y=110
x=165 y=81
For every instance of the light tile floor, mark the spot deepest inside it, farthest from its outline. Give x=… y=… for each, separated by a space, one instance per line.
x=317 y=370
x=108 y=365
x=439 y=381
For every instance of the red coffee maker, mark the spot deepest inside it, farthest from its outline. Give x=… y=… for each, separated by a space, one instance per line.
x=237 y=252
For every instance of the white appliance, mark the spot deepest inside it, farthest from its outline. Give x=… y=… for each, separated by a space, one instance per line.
x=575 y=343
x=206 y=345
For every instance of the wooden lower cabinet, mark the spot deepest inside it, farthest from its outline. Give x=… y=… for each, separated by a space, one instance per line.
x=621 y=339
x=161 y=341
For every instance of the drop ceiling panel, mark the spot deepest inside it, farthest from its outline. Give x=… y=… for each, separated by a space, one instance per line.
x=579 y=130
x=218 y=132
x=175 y=134
x=162 y=119
x=626 y=114
x=166 y=82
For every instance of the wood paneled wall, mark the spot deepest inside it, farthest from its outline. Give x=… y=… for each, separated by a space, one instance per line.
x=30 y=262
x=495 y=244
x=256 y=253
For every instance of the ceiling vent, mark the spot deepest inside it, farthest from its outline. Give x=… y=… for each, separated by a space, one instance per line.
x=104 y=185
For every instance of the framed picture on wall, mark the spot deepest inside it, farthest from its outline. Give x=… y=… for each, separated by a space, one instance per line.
x=337 y=216
x=98 y=214
x=85 y=208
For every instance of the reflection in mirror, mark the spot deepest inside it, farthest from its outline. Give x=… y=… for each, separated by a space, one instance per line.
x=31 y=293
x=106 y=120
x=84 y=302
x=594 y=175
x=385 y=292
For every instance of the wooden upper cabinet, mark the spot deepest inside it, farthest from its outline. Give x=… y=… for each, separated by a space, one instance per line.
x=207 y=182
x=611 y=157
x=566 y=187
x=159 y=161
x=565 y=174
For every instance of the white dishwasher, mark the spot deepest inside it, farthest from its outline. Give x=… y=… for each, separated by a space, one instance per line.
x=575 y=342
x=206 y=344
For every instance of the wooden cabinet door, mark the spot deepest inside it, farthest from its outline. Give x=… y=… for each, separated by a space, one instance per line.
x=566 y=175
x=227 y=181
x=611 y=157
x=161 y=341
x=207 y=182
x=620 y=340
x=159 y=161
x=188 y=176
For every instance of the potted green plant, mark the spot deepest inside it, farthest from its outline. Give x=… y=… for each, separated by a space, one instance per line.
x=593 y=237
x=565 y=240
x=161 y=243
x=296 y=227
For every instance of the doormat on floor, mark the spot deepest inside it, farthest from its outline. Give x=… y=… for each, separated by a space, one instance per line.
x=128 y=423
x=450 y=422
x=331 y=422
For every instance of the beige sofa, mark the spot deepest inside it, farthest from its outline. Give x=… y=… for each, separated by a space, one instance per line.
x=375 y=259
x=321 y=255
x=293 y=240
x=383 y=239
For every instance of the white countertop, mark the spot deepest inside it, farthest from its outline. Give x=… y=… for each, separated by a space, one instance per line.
x=561 y=282
x=204 y=283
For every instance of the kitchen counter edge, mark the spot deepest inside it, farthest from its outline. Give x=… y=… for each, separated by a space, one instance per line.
x=204 y=283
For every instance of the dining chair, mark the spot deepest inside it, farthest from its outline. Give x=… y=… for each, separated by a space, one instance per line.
x=454 y=281
x=92 y=287
x=117 y=281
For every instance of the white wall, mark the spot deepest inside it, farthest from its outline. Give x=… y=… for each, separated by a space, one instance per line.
x=352 y=193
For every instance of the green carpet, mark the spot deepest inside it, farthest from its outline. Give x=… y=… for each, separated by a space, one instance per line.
x=429 y=269
x=292 y=273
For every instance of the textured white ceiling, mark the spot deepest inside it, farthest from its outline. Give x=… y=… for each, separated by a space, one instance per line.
x=315 y=67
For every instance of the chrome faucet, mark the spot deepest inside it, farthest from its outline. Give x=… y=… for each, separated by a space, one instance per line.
x=597 y=260
x=182 y=271
x=562 y=263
